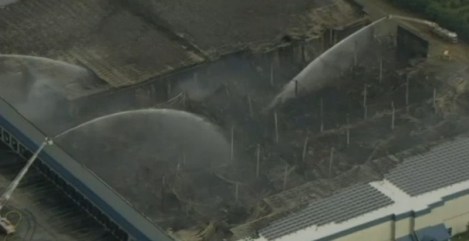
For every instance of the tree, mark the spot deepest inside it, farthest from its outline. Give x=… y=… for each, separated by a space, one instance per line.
x=452 y=14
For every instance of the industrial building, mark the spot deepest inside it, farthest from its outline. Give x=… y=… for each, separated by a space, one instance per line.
x=426 y=190
x=377 y=149
x=130 y=42
x=80 y=185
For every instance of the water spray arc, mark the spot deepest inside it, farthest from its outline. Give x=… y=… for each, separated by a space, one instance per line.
x=4 y=223
x=164 y=133
x=322 y=71
x=43 y=89
x=181 y=114
x=35 y=59
x=170 y=150
x=435 y=27
x=319 y=73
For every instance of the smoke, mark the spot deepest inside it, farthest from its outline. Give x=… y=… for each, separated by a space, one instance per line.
x=38 y=88
x=4 y=3
x=40 y=102
x=198 y=90
x=160 y=135
x=327 y=68
x=27 y=91
x=133 y=150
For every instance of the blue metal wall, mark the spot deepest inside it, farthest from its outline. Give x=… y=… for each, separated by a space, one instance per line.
x=67 y=180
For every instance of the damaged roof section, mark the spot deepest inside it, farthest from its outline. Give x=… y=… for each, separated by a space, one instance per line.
x=222 y=27
x=20 y=74
x=125 y=50
x=127 y=42
x=118 y=46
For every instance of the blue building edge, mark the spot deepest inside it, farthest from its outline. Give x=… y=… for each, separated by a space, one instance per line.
x=80 y=184
x=434 y=233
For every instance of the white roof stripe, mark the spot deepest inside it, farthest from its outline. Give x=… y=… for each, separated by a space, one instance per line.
x=403 y=202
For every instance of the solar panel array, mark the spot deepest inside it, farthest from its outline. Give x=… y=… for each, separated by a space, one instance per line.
x=347 y=204
x=442 y=166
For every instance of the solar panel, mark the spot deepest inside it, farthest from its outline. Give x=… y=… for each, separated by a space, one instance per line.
x=347 y=204
x=441 y=166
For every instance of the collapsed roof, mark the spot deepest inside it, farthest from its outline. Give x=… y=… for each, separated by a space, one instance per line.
x=127 y=42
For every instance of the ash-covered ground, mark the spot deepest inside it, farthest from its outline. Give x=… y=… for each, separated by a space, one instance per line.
x=314 y=145
x=279 y=158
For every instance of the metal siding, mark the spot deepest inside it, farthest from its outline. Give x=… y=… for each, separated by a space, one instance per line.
x=403 y=216
x=448 y=156
x=356 y=229
x=134 y=229
x=60 y=171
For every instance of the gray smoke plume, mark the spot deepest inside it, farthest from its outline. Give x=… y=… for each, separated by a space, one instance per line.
x=39 y=88
x=133 y=151
x=328 y=67
x=4 y=3
x=196 y=89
